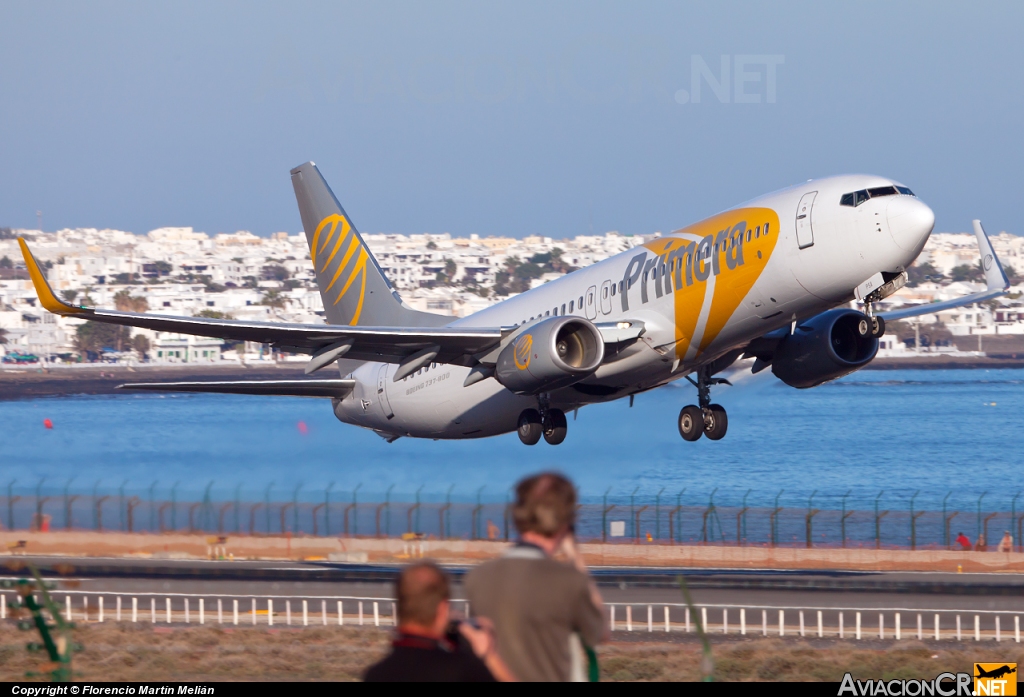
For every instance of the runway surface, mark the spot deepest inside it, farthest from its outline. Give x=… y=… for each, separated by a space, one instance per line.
x=749 y=588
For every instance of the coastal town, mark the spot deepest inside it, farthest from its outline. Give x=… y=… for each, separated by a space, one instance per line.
x=239 y=275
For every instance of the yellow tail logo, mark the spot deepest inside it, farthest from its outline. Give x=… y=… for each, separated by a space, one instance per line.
x=339 y=230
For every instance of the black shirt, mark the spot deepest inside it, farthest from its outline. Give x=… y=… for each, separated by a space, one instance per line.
x=419 y=659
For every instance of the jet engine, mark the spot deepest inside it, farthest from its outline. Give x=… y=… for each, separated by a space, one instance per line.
x=823 y=348
x=550 y=354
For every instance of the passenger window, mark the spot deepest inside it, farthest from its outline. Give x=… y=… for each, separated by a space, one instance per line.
x=604 y=294
x=766 y=229
x=613 y=289
x=750 y=235
x=581 y=302
x=547 y=314
x=571 y=303
x=563 y=308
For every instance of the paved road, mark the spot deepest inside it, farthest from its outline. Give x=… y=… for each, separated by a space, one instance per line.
x=754 y=589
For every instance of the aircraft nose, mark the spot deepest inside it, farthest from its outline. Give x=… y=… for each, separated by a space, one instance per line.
x=910 y=222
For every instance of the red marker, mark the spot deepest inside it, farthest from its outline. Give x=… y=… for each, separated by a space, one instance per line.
x=303 y=429
x=47 y=423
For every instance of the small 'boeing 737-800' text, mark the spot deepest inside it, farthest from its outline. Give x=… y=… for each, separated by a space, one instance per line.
x=770 y=279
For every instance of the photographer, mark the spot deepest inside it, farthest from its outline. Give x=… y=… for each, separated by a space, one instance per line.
x=537 y=602
x=428 y=648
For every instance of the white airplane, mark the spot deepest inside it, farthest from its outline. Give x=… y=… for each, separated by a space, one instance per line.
x=769 y=279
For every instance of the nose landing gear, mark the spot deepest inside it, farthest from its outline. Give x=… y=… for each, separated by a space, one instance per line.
x=552 y=424
x=707 y=419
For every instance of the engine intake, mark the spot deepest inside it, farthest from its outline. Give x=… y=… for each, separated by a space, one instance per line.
x=550 y=354
x=823 y=348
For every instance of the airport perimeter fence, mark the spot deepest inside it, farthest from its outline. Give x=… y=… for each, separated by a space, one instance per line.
x=888 y=521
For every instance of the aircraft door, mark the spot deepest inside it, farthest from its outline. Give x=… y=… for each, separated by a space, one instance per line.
x=590 y=306
x=804 y=231
x=606 y=298
x=382 y=393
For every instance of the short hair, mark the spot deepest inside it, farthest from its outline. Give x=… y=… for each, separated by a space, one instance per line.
x=545 y=504
x=419 y=590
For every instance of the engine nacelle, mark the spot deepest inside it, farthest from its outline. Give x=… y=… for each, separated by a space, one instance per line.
x=823 y=348
x=553 y=353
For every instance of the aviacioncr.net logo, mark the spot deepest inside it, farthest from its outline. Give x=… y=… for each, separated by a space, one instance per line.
x=524 y=351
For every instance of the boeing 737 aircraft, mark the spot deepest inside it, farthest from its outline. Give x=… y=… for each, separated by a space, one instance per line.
x=770 y=279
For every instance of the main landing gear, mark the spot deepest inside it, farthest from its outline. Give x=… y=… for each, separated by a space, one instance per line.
x=551 y=424
x=707 y=419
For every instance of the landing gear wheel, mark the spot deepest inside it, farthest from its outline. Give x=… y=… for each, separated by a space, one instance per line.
x=555 y=426
x=691 y=423
x=864 y=326
x=716 y=423
x=877 y=327
x=530 y=428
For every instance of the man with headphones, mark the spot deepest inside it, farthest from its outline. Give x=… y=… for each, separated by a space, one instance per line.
x=540 y=604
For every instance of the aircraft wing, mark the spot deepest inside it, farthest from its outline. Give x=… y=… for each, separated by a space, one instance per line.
x=279 y=388
x=411 y=347
x=995 y=281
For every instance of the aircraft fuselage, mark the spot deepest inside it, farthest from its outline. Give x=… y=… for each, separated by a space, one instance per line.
x=700 y=292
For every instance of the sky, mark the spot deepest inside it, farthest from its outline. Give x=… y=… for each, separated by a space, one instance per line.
x=521 y=118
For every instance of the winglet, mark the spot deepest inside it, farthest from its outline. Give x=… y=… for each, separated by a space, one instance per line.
x=46 y=297
x=995 y=277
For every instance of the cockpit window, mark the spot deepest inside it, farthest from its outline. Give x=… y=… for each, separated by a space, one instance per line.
x=856 y=198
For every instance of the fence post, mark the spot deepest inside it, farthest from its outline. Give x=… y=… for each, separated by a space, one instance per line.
x=238 y=506
x=327 y=509
x=709 y=511
x=913 y=522
x=174 y=507
x=415 y=508
x=774 y=519
x=657 y=514
x=636 y=526
x=152 y=506
x=447 y=530
x=632 y=509
x=476 y=513
x=979 y=512
x=604 y=516
x=741 y=521
x=844 y=516
x=11 y=499
x=40 y=502
x=878 y=521
x=266 y=501
x=295 y=509
x=811 y=512
x=945 y=521
x=1013 y=515
x=68 y=501
x=207 y=523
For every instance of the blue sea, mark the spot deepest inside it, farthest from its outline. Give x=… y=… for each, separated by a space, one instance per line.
x=936 y=432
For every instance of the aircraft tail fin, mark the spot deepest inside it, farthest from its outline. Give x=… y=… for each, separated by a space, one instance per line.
x=354 y=289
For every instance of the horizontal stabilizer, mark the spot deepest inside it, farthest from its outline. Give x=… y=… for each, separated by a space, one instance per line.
x=278 y=388
x=996 y=284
